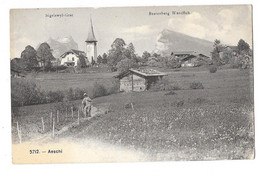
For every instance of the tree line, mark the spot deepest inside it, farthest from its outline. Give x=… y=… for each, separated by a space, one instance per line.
x=31 y=59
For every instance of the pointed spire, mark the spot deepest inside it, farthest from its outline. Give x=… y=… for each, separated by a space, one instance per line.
x=91 y=35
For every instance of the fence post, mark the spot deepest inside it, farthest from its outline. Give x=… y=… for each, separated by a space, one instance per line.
x=53 y=127
x=132 y=106
x=51 y=120
x=72 y=112
x=19 y=133
x=78 y=116
x=58 y=116
x=42 y=125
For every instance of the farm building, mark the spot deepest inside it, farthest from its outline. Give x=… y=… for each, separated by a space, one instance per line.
x=138 y=79
x=17 y=74
x=72 y=57
x=191 y=58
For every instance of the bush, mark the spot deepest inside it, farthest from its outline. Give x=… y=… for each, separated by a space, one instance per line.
x=25 y=93
x=115 y=87
x=213 y=69
x=98 y=90
x=54 y=96
x=196 y=85
x=163 y=85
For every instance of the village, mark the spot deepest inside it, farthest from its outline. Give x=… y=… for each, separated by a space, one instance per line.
x=169 y=105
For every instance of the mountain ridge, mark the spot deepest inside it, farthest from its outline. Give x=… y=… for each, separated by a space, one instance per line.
x=169 y=41
x=61 y=45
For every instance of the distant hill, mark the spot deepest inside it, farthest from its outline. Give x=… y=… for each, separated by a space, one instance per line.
x=171 y=41
x=61 y=45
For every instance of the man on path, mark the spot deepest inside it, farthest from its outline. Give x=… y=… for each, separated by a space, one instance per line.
x=86 y=103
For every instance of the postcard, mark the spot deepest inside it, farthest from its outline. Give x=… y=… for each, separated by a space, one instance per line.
x=131 y=84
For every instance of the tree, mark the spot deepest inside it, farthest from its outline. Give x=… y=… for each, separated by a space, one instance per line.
x=130 y=51
x=44 y=53
x=99 y=59
x=126 y=64
x=215 y=53
x=145 y=56
x=16 y=64
x=156 y=55
x=116 y=53
x=171 y=62
x=243 y=46
x=81 y=62
x=93 y=62
x=29 y=58
x=104 y=58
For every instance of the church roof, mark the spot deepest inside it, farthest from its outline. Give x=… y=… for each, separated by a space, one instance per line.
x=91 y=36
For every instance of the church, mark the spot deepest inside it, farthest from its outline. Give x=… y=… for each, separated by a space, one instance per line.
x=72 y=57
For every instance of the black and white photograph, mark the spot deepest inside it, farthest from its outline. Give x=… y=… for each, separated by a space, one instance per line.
x=132 y=84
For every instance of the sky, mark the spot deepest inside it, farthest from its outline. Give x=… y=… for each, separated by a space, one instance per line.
x=138 y=25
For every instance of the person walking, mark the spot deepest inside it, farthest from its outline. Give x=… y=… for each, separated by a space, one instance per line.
x=86 y=104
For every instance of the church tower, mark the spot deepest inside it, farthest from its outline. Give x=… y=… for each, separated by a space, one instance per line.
x=91 y=44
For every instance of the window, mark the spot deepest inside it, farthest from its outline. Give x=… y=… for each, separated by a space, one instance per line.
x=72 y=58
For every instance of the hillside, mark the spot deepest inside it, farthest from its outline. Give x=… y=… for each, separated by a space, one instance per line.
x=170 y=41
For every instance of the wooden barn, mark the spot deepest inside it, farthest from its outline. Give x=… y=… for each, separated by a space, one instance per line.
x=138 y=79
x=191 y=58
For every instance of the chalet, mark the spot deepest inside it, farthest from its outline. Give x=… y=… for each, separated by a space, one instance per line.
x=138 y=79
x=191 y=58
x=72 y=57
x=17 y=73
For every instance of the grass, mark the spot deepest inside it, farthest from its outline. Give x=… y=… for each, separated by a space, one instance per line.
x=63 y=81
x=212 y=123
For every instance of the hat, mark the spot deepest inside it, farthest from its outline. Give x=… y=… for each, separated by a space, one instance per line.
x=85 y=94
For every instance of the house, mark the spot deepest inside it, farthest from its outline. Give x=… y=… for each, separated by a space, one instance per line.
x=191 y=58
x=17 y=73
x=72 y=57
x=138 y=79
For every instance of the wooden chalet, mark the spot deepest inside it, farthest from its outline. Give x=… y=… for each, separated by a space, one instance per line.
x=191 y=58
x=138 y=79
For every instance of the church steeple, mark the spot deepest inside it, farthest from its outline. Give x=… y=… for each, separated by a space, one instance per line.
x=91 y=45
x=91 y=36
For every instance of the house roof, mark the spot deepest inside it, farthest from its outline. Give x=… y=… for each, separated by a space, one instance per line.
x=201 y=57
x=184 y=53
x=142 y=72
x=91 y=36
x=76 y=52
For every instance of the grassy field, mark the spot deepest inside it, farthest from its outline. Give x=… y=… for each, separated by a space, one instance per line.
x=211 y=123
x=64 y=81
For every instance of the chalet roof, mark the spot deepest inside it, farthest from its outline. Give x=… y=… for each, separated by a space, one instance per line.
x=184 y=53
x=200 y=55
x=76 y=52
x=142 y=72
x=91 y=36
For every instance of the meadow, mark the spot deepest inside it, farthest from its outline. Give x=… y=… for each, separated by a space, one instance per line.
x=216 y=122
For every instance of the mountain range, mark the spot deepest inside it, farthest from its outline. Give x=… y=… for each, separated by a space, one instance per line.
x=170 y=41
x=61 y=45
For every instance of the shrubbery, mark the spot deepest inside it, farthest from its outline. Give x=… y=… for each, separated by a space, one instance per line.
x=164 y=85
x=213 y=69
x=196 y=85
x=98 y=90
x=27 y=93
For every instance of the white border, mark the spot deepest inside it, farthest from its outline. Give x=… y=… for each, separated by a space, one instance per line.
x=194 y=166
